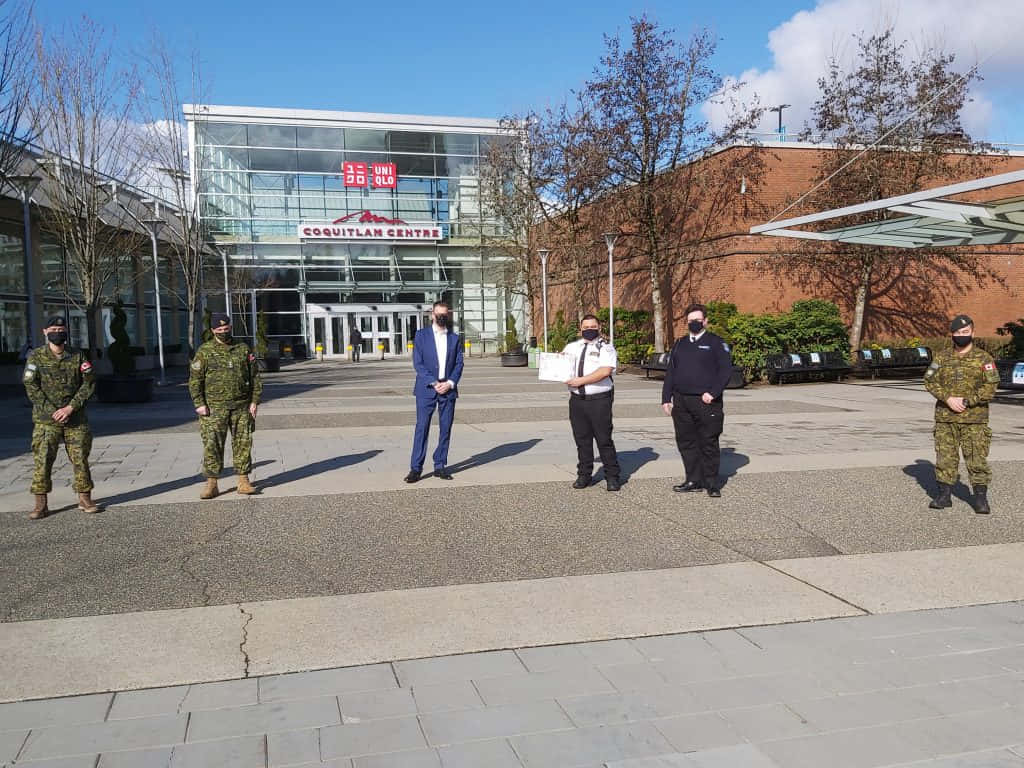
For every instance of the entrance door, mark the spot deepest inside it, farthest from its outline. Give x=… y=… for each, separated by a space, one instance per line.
x=376 y=330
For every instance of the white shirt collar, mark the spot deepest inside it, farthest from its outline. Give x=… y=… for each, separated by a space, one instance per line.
x=697 y=337
x=438 y=329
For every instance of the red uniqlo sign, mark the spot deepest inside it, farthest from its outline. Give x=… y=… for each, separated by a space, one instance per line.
x=354 y=173
x=385 y=175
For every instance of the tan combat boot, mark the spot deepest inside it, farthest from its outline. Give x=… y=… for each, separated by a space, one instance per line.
x=210 y=491
x=41 y=510
x=244 y=486
x=86 y=504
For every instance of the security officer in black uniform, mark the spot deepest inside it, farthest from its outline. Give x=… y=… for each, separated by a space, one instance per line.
x=591 y=393
x=698 y=370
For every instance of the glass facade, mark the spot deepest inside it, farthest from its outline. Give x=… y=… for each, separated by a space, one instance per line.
x=259 y=177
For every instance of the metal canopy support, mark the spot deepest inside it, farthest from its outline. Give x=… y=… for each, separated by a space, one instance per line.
x=929 y=220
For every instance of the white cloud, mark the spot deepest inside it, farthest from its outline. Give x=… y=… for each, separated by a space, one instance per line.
x=983 y=30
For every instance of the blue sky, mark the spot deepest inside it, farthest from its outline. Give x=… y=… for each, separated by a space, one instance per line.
x=487 y=59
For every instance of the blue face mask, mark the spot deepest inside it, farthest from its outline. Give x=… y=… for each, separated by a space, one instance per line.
x=590 y=334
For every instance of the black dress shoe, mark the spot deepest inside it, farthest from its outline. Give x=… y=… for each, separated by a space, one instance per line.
x=612 y=484
x=413 y=476
x=686 y=487
x=442 y=474
x=582 y=482
x=714 y=493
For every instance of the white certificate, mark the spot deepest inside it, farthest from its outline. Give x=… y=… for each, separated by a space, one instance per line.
x=554 y=366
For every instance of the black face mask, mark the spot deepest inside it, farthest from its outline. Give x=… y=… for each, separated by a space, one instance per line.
x=590 y=334
x=695 y=326
x=225 y=337
x=441 y=320
x=963 y=341
x=59 y=338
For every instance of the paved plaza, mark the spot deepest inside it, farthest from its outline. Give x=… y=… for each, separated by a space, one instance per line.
x=818 y=614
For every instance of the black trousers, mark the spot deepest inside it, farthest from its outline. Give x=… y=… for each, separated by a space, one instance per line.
x=698 y=426
x=357 y=350
x=591 y=420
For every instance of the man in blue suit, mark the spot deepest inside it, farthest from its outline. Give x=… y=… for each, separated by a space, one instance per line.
x=437 y=358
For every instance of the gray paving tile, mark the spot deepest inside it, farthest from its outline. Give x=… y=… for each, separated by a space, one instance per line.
x=607 y=709
x=289 y=748
x=579 y=681
x=305 y=685
x=864 y=709
x=148 y=703
x=676 y=760
x=552 y=657
x=682 y=670
x=585 y=746
x=264 y=718
x=1008 y=689
x=221 y=695
x=81 y=761
x=774 y=721
x=1000 y=758
x=137 y=758
x=857 y=748
x=688 y=733
x=476 y=754
x=493 y=722
x=74 y=710
x=468 y=666
x=370 y=738
x=633 y=677
x=372 y=705
x=446 y=696
x=246 y=752
x=733 y=693
x=964 y=695
x=94 y=738
x=610 y=652
x=938 y=669
x=419 y=758
x=1011 y=658
x=665 y=647
x=743 y=755
x=10 y=744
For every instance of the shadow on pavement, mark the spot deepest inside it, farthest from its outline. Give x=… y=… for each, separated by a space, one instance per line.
x=170 y=485
x=632 y=461
x=924 y=472
x=731 y=462
x=316 y=468
x=494 y=454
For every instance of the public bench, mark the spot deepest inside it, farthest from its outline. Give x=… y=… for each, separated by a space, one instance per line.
x=659 y=362
x=888 y=362
x=806 y=366
x=1011 y=374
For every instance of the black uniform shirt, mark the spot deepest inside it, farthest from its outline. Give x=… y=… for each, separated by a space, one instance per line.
x=696 y=367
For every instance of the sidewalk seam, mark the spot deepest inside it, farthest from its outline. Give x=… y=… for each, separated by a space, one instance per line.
x=245 y=639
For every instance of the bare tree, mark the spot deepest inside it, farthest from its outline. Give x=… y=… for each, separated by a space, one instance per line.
x=166 y=149
x=895 y=124
x=648 y=109
x=83 y=111
x=16 y=81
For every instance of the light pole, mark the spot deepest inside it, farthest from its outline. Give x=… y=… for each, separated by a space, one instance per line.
x=609 y=240
x=543 y=253
x=779 y=110
x=152 y=226
x=26 y=185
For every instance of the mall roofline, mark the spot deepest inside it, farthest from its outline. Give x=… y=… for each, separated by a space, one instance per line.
x=323 y=117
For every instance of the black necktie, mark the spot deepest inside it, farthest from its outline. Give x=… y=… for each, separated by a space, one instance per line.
x=579 y=369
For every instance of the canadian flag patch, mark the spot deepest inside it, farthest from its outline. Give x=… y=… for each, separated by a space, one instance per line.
x=85 y=367
x=251 y=357
x=990 y=366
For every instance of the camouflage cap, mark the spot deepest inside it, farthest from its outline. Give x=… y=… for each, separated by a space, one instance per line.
x=219 y=320
x=57 y=321
x=960 y=321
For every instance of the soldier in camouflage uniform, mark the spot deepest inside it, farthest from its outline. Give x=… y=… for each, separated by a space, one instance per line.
x=59 y=381
x=963 y=380
x=225 y=385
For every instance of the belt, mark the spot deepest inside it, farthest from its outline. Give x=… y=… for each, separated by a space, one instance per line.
x=597 y=396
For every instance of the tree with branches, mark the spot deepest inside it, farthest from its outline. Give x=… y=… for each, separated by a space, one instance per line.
x=16 y=83
x=649 y=93
x=83 y=110
x=893 y=118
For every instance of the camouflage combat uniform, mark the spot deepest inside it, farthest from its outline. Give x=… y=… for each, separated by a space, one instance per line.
x=974 y=377
x=225 y=378
x=52 y=383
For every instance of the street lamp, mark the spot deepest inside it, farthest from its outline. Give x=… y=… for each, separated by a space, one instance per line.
x=26 y=185
x=609 y=240
x=152 y=226
x=543 y=253
x=779 y=110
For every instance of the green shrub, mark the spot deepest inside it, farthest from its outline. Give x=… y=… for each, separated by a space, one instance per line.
x=1014 y=348
x=511 y=335
x=561 y=333
x=261 y=336
x=634 y=333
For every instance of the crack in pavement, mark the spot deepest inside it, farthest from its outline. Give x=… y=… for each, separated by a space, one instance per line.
x=204 y=587
x=245 y=639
